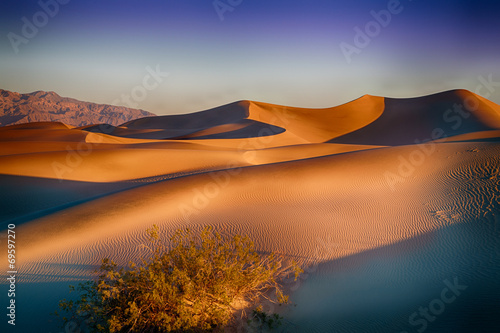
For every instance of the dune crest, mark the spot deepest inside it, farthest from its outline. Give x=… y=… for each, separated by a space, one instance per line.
x=242 y=133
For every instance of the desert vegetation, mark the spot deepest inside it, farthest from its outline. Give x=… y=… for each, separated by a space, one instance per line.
x=205 y=283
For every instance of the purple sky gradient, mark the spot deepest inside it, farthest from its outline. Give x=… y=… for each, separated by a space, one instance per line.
x=282 y=52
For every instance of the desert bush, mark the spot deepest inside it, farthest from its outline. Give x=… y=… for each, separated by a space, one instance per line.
x=201 y=284
x=261 y=321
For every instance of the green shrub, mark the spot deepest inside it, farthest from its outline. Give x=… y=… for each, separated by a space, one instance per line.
x=199 y=285
x=262 y=321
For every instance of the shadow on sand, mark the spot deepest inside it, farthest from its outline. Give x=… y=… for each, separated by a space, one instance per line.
x=379 y=290
x=374 y=291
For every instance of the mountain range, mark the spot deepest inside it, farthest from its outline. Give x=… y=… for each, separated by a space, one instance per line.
x=42 y=106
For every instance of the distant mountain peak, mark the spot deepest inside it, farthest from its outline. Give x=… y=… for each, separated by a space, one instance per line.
x=41 y=94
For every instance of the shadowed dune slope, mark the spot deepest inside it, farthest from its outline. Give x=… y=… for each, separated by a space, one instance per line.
x=309 y=125
x=367 y=120
x=299 y=200
x=406 y=121
x=240 y=134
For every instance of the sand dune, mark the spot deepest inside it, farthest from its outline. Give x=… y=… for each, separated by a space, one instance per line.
x=405 y=121
x=302 y=125
x=378 y=218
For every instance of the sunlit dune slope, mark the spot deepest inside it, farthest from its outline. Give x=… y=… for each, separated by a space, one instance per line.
x=287 y=207
x=297 y=125
x=237 y=135
x=413 y=120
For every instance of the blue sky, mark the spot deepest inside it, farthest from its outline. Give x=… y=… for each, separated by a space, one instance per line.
x=217 y=52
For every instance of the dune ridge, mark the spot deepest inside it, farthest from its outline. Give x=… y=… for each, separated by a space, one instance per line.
x=243 y=132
